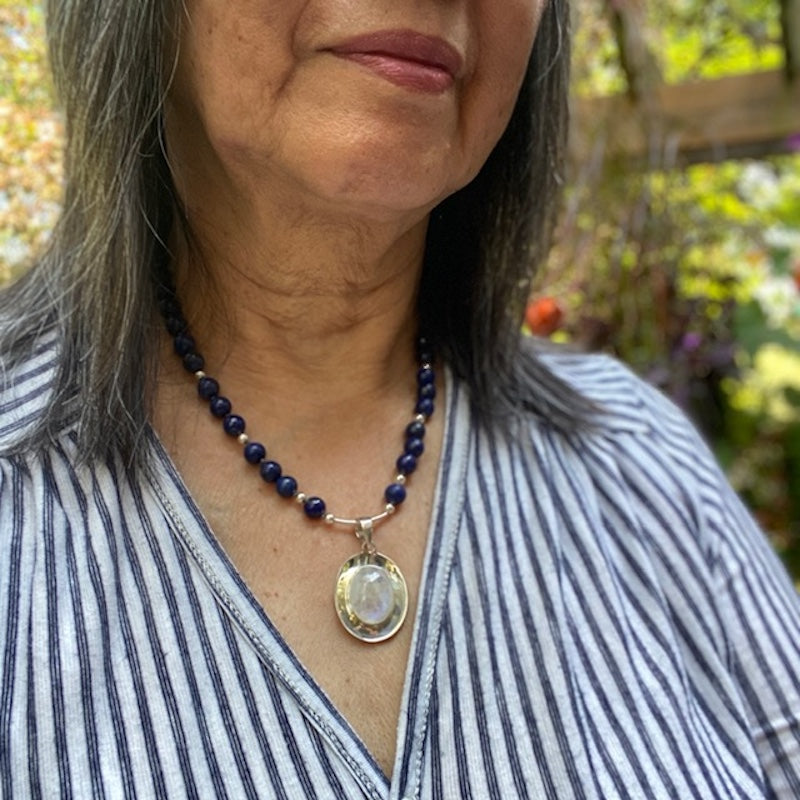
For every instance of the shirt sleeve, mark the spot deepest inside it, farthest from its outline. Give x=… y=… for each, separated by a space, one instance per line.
x=760 y=610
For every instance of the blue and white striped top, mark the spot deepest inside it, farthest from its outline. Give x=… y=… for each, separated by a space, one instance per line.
x=599 y=619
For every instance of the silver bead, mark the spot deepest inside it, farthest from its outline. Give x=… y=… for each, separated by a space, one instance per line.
x=329 y=518
x=243 y=439
x=401 y=479
x=420 y=418
x=390 y=509
x=199 y=374
x=300 y=497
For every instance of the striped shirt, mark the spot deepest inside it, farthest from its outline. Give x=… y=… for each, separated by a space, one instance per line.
x=599 y=618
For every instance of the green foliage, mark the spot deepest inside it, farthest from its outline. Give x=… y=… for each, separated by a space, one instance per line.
x=693 y=275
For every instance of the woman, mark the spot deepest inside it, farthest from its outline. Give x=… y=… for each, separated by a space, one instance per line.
x=568 y=603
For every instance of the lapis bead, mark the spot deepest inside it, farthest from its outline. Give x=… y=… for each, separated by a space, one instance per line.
x=220 y=406
x=255 y=452
x=270 y=471
x=416 y=447
x=286 y=486
x=314 y=507
x=406 y=464
x=415 y=430
x=427 y=390
x=207 y=388
x=193 y=362
x=395 y=493
x=233 y=424
x=170 y=307
x=175 y=324
x=184 y=343
x=425 y=375
x=425 y=353
x=424 y=407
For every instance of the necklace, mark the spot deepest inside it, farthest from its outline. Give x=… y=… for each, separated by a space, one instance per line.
x=371 y=595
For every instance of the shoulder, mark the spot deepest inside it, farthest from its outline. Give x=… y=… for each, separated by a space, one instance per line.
x=25 y=389
x=642 y=457
x=623 y=401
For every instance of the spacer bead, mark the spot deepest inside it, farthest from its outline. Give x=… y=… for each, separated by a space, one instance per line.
x=401 y=479
x=200 y=374
x=329 y=518
x=300 y=498
x=390 y=509
x=243 y=439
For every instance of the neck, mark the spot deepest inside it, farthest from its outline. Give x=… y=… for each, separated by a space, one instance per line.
x=327 y=309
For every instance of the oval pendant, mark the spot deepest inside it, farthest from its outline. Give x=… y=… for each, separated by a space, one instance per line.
x=371 y=597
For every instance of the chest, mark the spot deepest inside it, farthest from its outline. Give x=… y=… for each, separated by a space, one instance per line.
x=294 y=579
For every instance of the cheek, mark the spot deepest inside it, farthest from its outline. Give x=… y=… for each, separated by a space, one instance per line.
x=233 y=61
x=505 y=44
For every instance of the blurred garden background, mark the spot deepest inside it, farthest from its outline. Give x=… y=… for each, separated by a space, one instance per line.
x=679 y=240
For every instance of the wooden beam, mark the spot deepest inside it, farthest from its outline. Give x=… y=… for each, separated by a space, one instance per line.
x=790 y=28
x=756 y=114
x=639 y=65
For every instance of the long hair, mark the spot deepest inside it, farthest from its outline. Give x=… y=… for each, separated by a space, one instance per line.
x=94 y=286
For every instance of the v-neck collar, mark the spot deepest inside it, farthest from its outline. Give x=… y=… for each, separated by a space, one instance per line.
x=197 y=538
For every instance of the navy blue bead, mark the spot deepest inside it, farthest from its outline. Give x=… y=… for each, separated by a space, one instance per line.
x=220 y=406
x=416 y=447
x=207 y=388
x=406 y=464
x=395 y=493
x=286 y=486
x=425 y=375
x=233 y=424
x=424 y=407
x=427 y=390
x=193 y=362
x=184 y=343
x=270 y=471
x=175 y=325
x=254 y=452
x=170 y=307
x=314 y=507
x=416 y=430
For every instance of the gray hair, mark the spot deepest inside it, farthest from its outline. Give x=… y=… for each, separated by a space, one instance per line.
x=111 y=64
x=94 y=287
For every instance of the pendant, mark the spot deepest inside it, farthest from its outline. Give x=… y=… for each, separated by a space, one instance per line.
x=371 y=595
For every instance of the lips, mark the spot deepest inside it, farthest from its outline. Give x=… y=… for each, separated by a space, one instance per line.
x=405 y=58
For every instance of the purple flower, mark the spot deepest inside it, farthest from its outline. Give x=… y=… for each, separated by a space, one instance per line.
x=691 y=342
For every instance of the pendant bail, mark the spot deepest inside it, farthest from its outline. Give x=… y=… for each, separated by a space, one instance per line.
x=364 y=532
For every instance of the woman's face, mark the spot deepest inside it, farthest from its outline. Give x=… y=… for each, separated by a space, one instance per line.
x=381 y=106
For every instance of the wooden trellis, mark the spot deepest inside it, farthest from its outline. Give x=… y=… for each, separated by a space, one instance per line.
x=665 y=125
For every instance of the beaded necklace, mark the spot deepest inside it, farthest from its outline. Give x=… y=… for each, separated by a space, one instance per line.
x=370 y=596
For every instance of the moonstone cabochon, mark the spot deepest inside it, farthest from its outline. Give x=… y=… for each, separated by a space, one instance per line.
x=371 y=597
